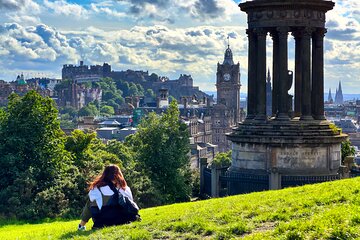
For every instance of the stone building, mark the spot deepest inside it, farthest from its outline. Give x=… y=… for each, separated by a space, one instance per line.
x=200 y=129
x=21 y=86
x=5 y=90
x=225 y=114
x=82 y=72
x=78 y=95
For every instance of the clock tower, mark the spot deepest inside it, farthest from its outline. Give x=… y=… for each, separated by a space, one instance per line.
x=228 y=84
x=226 y=112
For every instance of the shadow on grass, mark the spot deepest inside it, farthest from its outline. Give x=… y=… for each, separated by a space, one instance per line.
x=7 y=222
x=76 y=233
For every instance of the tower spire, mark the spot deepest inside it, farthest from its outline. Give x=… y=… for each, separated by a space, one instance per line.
x=228 y=59
x=339 y=99
x=340 y=90
x=330 y=99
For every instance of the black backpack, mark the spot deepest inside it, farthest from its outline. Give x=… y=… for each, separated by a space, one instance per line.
x=129 y=206
x=113 y=213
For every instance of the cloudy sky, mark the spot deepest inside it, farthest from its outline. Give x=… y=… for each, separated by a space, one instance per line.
x=168 y=37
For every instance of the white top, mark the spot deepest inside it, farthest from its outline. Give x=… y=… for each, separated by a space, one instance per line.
x=95 y=194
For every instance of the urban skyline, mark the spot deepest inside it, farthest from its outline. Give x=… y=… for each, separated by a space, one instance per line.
x=166 y=37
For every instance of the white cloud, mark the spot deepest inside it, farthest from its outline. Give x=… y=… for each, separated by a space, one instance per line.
x=101 y=8
x=157 y=48
x=63 y=8
x=19 y=5
x=178 y=11
x=168 y=48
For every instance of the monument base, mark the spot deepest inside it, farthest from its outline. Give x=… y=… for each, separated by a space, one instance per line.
x=309 y=151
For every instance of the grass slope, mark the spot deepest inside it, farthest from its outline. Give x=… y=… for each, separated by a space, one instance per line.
x=322 y=211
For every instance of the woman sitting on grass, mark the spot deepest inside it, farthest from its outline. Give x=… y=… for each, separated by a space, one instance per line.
x=102 y=205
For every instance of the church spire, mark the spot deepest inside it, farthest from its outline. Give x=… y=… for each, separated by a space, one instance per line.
x=228 y=59
x=340 y=90
x=268 y=76
x=330 y=99
x=339 y=99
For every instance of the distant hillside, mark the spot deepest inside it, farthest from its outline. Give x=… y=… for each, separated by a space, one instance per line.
x=181 y=87
x=323 y=211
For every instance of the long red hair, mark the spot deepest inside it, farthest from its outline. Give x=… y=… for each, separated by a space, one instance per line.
x=111 y=173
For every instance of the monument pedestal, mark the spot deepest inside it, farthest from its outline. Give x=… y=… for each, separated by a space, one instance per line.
x=305 y=150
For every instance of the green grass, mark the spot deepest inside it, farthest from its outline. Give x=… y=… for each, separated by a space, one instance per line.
x=322 y=211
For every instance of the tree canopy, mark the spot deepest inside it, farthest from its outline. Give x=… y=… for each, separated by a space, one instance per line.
x=222 y=159
x=44 y=173
x=33 y=161
x=162 y=147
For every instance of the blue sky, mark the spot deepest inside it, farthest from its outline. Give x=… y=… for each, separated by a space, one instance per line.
x=168 y=37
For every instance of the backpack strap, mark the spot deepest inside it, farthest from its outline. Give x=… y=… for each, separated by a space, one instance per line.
x=100 y=191
x=116 y=192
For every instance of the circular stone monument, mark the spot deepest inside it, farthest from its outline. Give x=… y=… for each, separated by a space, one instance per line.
x=294 y=146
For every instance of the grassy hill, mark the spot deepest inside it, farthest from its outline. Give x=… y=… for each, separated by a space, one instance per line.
x=322 y=211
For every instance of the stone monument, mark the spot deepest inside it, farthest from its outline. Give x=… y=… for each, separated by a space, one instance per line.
x=302 y=145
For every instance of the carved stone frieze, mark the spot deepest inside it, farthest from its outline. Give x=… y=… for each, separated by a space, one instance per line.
x=290 y=17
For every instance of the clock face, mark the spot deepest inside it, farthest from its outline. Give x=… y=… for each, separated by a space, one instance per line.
x=227 y=77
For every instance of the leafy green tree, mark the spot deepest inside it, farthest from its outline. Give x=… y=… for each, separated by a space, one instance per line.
x=133 y=90
x=222 y=159
x=88 y=110
x=153 y=77
x=346 y=150
x=113 y=104
x=140 y=90
x=150 y=93
x=144 y=191
x=162 y=147
x=90 y=156
x=69 y=110
x=123 y=86
x=107 y=110
x=33 y=161
x=62 y=85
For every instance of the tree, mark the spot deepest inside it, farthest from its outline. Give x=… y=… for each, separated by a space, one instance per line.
x=133 y=90
x=90 y=157
x=150 y=93
x=33 y=161
x=107 y=110
x=69 y=110
x=153 y=77
x=140 y=89
x=113 y=104
x=88 y=110
x=162 y=147
x=346 y=150
x=222 y=160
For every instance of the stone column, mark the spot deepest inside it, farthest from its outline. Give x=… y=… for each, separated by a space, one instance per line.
x=317 y=97
x=274 y=179
x=275 y=91
x=215 y=182
x=283 y=113
x=306 y=75
x=298 y=72
x=251 y=99
x=261 y=74
x=203 y=165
